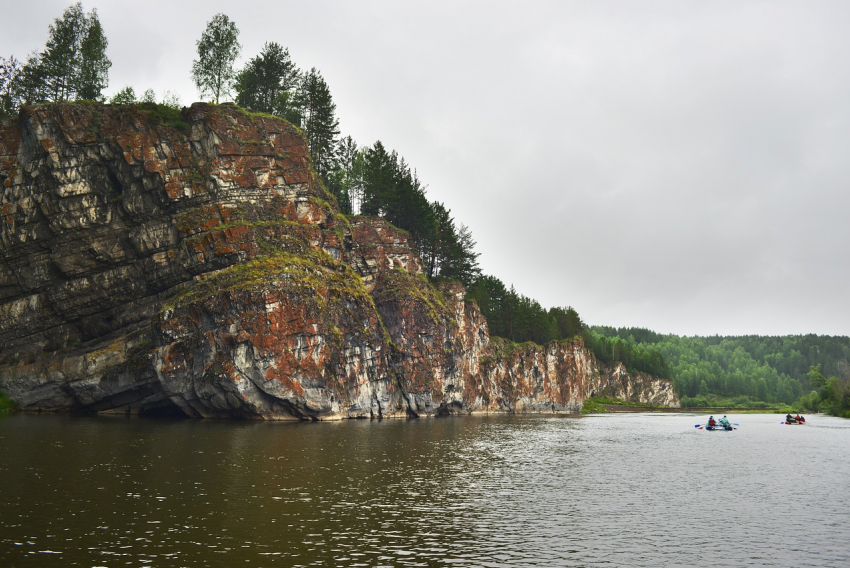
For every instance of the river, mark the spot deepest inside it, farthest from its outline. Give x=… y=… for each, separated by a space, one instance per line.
x=531 y=490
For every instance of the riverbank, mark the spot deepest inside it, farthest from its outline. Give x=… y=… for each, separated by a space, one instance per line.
x=712 y=410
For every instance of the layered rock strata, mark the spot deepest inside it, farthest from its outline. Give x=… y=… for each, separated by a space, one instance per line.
x=191 y=263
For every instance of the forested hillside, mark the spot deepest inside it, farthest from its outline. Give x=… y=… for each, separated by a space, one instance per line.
x=749 y=369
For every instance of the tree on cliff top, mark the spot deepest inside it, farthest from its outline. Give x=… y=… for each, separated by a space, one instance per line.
x=93 y=74
x=10 y=69
x=62 y=52
x=318 y=118
x=73 y=64
x=268 y=81
x=218 y=49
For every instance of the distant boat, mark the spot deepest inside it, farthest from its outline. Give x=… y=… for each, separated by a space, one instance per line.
x=716 y=428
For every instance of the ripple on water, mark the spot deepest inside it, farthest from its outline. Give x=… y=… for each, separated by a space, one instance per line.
x=636 y=490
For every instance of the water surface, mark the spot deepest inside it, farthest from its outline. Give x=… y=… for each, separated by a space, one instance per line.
x=607 y=490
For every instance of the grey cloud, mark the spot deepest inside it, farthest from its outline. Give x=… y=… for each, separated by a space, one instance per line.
x=675 y=165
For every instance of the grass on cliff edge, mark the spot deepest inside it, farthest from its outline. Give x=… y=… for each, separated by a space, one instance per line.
x=596 y=404
x=6 y=403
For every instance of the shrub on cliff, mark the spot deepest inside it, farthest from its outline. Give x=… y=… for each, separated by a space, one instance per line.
x=6 y=404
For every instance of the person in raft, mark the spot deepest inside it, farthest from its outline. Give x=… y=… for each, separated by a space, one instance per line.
x=800 y=419
x=788 y=418
x=724 y=422
x=711 y=421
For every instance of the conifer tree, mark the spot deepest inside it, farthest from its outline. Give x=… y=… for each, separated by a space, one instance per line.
x=378 y=193
x=346 y=180
x=319 y=121
x=218 y=49
x=268 y=82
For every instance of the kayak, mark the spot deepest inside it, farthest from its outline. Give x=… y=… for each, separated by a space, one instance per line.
x=794 y=423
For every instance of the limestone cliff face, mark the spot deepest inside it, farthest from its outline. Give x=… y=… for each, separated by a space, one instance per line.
x=192 y=263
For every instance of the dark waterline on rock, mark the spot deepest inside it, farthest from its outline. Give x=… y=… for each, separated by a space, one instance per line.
x=618 y=490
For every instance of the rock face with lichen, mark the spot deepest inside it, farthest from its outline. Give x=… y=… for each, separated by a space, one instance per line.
x=163 y=262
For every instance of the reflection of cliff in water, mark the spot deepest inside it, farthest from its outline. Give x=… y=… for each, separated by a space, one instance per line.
x=506 y=490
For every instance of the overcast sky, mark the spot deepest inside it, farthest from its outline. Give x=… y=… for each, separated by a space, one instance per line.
x=682 y=166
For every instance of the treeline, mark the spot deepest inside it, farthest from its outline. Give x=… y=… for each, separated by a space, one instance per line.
x=520 y=319
x=73 y=65
x=634 y=356
x=776 y=370
x=830 y=395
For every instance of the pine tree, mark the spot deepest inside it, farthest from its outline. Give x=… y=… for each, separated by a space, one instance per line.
x=440 y=242
x=378 y=187
x=268 y=82
x=567 y=321
x=218 y=49
x=319 y=121
x=345 y=181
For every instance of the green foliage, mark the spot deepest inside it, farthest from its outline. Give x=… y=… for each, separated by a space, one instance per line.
x=218 y=49
x=635 y=356
x=10 y=70
x=345 y=180
x=832 y=394
x=268 y=82
x=513 y=315
x=318 y=119
x=93 y=73
x=769 y=370
x=164 y=115
x=381 y=183
x=61 y=56
x=149 y=96
x=125 y=96
x=713 y=401
x=448 y=249
x=593 y=406
x=72 y=65
x=6 y=404
x=172 y=100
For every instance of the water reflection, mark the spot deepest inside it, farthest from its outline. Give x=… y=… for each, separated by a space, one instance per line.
x=634 y=490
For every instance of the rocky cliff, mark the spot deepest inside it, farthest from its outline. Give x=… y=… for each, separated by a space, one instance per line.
x=154 y=261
